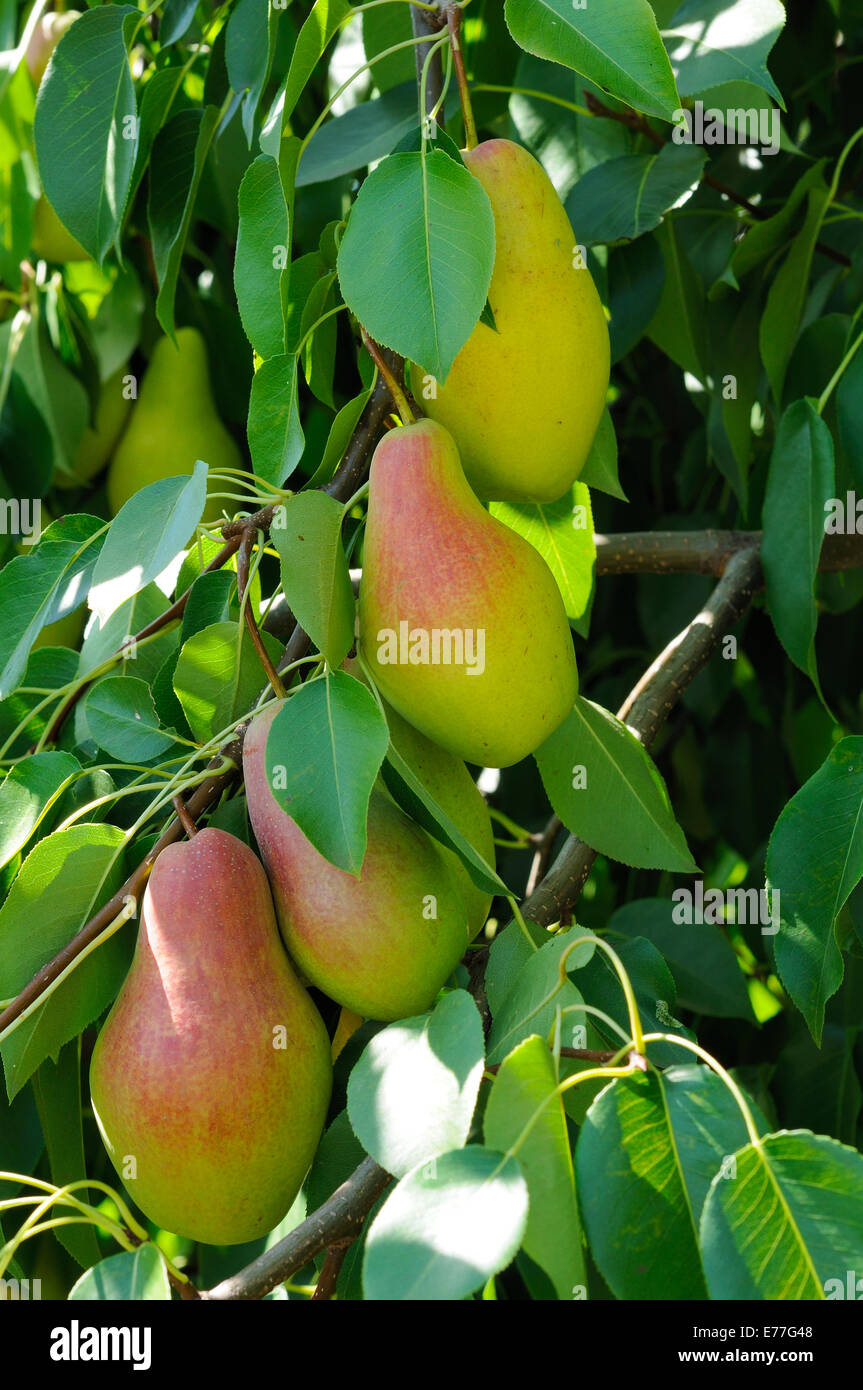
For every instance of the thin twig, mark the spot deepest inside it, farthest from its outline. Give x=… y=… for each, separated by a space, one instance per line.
x=639 y=124
x=244 y=554
x=453 y=19
x=329 y=1276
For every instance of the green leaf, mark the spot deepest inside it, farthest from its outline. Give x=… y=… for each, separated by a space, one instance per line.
x=700 y=957
x=274 y=430
x=624 y=198
x=789 y=1224
x=86 y=126
x=361 y=136
x=600 y=468
x=763 y=238
x=440 y=217
x=636 y=276
x=679 y=326
x=780 y=322
x=411 y=1096
x=122 y=719
x=814 y=861
x=536 y=993
x=176 y=164
x=606 y=789
x=177 y=17
x=317 y=31
x=562 y=532
x=135 y=551
x=57 y=1087
x=800 y=481
x=132 y=1276
x=714 y=41
x=307 y=533
x=63 y=880
x=262 y=260
x=525 y=1093
x=39 y=588
x=707 y=1125
x=324 y=751
x=615 y=44
x=219 y=676
x=250 y=40
x=209 y=602
x=55 y=396
x=319 y=339
x=637 y=1212
x=26 y=793
x=447 y=1228
x=341 y=432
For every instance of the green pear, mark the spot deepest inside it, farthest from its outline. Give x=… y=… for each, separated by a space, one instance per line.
x=174 y=423
x=380 y=943
x=461 y=621
x=51 y=241
x=523 y=403
x=99 y=439
x=211 y=1077
x=44 y=39
x=448 y=782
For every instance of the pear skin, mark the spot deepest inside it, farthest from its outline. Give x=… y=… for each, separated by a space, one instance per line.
x=380 y=943
x=99 y=439
x=523 y=403
x=173 y=423
x=211 y=1077
x=461 y=621
x=51 y=240
x=448 y=782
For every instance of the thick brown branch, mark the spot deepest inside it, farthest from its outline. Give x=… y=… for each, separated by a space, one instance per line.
x=339 y=1219
x=705 y=552
x=428 y=24
x=646 y=709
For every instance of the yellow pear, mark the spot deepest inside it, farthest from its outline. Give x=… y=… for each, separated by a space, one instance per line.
x=523 y=403
x=44 y=39
x=461 y=621
x=174 y=423
x=51 y=240
x=99 y=439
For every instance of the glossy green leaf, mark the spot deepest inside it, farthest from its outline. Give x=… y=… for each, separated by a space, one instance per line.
x=307 y=533
x=562 y=532
x=132 y=1276
x=219 y=676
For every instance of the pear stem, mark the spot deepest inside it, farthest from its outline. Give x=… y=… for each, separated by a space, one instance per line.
x=398 y=395
x=183 y=816
x=243 y=558
x=453 y=21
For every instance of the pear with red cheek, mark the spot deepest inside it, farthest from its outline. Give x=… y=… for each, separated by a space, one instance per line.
x=211 y=1077
x=461 y=620
x=380 y=943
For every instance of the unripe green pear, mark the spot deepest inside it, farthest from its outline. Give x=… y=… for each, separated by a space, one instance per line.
x=51 y=240
x=99 y=439
x=174 y=423
x=380 y=943
x=461 y=621
x=44 y=39
x=211 y=1077
x=523 y=403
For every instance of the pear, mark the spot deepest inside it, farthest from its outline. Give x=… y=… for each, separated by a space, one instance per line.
x=448 y=782
x=173 y=424
x=211 y=1077
x=51 y=241
x=44 y=39
x=523 y=403
x=99 y=439
x=380 y=943
x=461 y=621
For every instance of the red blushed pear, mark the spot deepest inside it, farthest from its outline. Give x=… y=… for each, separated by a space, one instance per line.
x=211 y=1078
x=461 y=621
x=380 y=943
